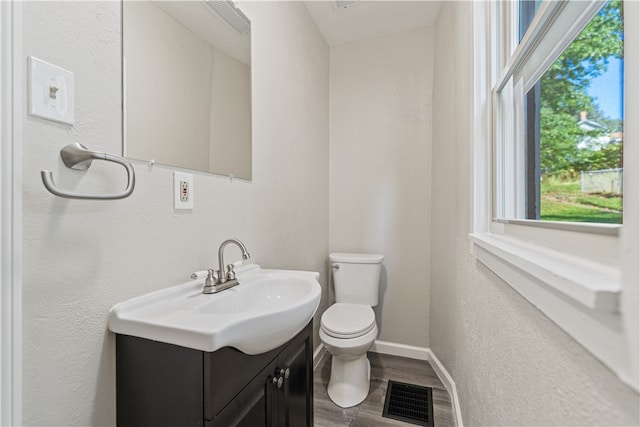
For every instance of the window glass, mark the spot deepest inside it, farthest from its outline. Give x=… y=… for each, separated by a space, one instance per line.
x=574 y=127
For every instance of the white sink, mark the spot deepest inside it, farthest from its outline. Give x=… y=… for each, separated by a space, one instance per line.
x=267 y=308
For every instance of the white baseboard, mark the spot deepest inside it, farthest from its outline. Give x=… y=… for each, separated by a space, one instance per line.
x=449 y=384
x=318 y=354
x=403 y=350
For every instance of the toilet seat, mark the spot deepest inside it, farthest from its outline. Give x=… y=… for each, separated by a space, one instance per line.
x=344 y=320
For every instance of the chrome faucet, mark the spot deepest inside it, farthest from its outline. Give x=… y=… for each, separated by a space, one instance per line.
x=219 y=280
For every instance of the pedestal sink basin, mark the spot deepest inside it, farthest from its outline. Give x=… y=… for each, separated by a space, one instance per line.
x=267 y=308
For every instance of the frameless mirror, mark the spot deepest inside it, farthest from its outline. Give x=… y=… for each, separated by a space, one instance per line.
x=187 y=85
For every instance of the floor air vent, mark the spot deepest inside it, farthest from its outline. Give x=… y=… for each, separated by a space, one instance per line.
x=409 y=403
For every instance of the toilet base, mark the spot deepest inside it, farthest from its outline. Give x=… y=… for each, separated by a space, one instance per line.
x=349 y=381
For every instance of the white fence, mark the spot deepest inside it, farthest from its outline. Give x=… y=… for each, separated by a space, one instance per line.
x=606 y=181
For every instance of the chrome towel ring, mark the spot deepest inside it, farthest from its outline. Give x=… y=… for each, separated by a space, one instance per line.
x=77 y=156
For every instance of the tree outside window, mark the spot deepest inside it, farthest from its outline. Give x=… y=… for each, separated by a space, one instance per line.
x=575 y=143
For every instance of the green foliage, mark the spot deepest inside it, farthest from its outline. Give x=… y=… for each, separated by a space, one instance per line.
x=559 y=134
x=608 y=157
x=561 y=200
x=563 y=95
x=564 y=85
x=568 y=213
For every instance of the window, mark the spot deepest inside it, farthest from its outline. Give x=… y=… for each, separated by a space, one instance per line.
x=539 y=127
x=560 y=115
x=574 y=126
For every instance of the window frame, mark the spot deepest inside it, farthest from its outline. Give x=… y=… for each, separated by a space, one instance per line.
x=583 y=276
x=11 y=82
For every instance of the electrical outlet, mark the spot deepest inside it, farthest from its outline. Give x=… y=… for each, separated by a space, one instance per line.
x=183 y=191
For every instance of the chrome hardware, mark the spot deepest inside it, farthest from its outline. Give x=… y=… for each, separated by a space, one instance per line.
x=278 y=381
x=231 y=275
x=245 y=255
x=212 y=285
x=336 y=266
x=219 y=280
x=279 y=377
x=77 y=156
x=219 y=288
x=211 y=278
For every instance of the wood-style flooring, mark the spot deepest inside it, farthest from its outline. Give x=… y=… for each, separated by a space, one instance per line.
x=369 y=412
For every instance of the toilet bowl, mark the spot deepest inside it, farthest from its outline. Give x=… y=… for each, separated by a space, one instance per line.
x=348 y=331
x=348 y=328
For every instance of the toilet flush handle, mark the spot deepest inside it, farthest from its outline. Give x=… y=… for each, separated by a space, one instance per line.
x=336 y=266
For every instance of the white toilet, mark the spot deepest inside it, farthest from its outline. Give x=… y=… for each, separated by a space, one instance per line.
x=348 y=328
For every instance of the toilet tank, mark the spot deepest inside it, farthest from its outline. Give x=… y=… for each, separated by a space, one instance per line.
x=356 y=277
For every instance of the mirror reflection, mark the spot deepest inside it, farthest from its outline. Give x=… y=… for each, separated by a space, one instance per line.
x=187 y=85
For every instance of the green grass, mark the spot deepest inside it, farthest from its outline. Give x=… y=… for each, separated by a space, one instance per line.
x=561 y=200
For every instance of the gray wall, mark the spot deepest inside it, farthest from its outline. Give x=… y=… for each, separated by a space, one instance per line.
x=380 y=181
x=511 y=364
x=81 y=257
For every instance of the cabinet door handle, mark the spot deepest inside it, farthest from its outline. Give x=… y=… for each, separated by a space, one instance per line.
x=277 y=381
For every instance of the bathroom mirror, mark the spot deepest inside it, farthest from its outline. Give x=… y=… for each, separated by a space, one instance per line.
x=187 y=85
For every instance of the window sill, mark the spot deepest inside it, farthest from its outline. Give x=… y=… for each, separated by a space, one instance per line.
x=581 y=296
x=527 y=266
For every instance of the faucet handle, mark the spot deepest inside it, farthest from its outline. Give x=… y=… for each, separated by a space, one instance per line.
x=231 y=274
x=210 y=282
x=212 y=278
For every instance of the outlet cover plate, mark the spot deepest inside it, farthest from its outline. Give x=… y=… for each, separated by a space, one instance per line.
x=51 y=90
x=178 y=179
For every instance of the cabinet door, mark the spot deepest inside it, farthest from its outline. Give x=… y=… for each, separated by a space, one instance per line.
x=254 y=406
x=296 y=396
x=227 y=372
x=157 y=384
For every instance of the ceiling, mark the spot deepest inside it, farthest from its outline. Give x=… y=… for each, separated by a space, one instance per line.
x=364 y=19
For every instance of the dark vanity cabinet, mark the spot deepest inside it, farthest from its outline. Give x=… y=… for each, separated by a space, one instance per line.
x=160 y=384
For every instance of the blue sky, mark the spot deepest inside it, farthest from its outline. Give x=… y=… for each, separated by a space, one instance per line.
x=608 y=91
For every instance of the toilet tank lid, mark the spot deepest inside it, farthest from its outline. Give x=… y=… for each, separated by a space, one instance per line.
x=356 y=258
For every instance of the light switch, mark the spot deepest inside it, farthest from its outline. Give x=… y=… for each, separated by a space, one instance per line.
x=50 y=91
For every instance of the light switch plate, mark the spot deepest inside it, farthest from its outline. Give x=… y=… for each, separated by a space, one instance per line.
x=182 y=200
x=51 y=91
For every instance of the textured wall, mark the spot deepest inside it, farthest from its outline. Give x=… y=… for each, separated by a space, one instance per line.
x=511 y=364
x=81 y=257
x=380 y=179
x=443 y=196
